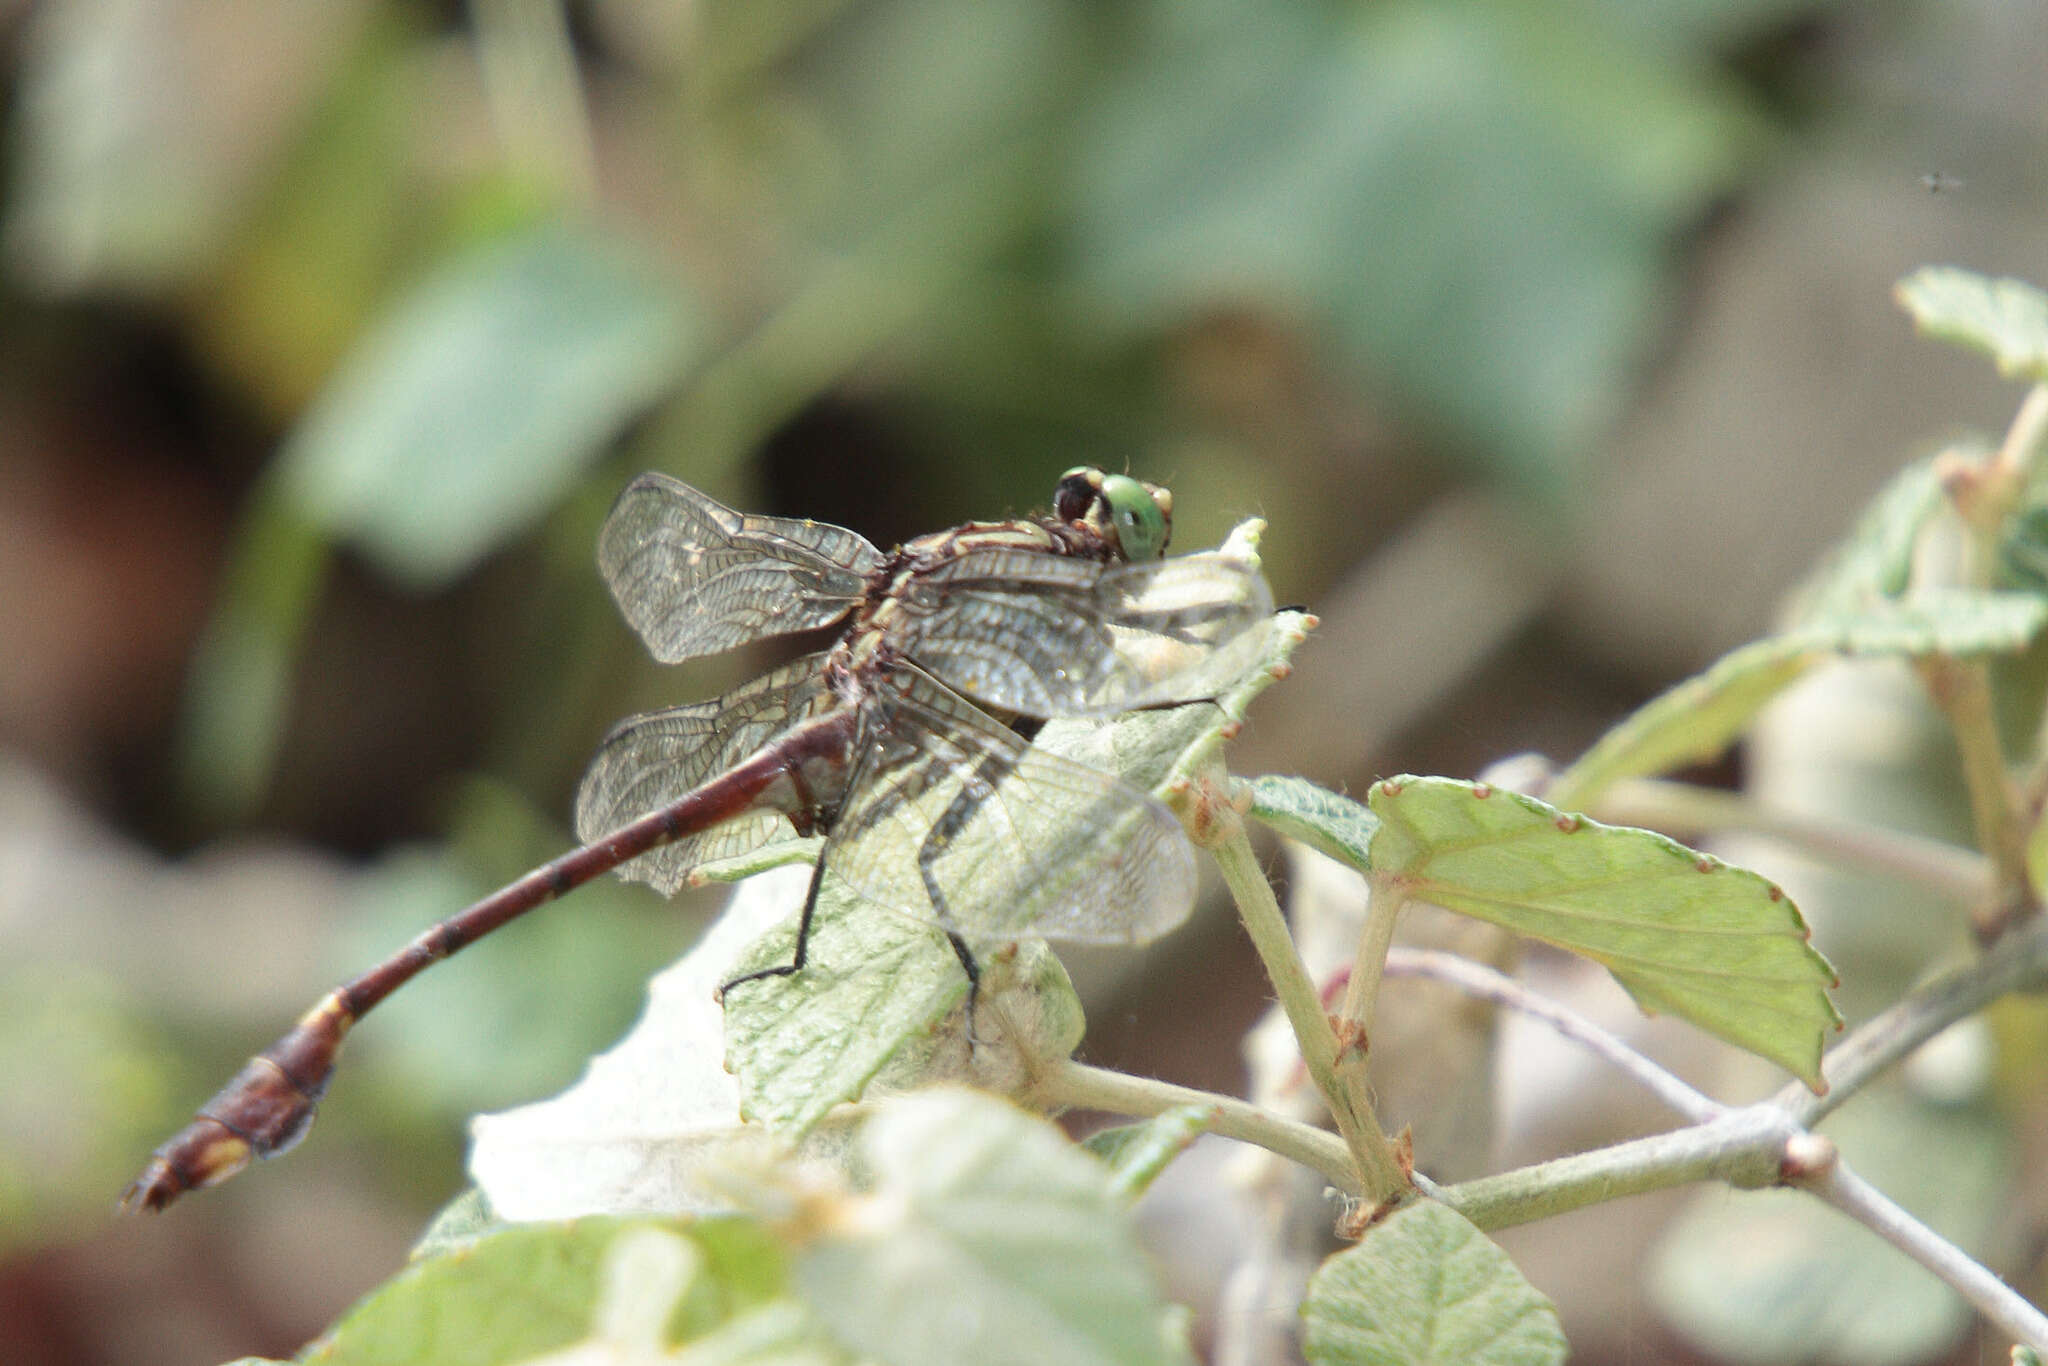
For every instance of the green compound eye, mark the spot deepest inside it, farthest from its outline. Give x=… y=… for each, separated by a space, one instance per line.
x=1139 y=520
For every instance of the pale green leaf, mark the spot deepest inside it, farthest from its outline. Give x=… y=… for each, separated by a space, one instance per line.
x=516 y=1294
x=1426 y=1288
x=989 y=1239
x=1698 y=718
x=780 y=1333
x=1325 y=821
x=2004 y=318
x=1946 y=621
x=2023 y=547
x=1691 y=722
x=487 y=391
x=881 y=997
x=1138 y=1153
x=802 y=1042
x=1875 y=560
x=1683 y=932
x=461 y=1221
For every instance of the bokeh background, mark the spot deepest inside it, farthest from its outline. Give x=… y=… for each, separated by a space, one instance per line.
x=1553 y=338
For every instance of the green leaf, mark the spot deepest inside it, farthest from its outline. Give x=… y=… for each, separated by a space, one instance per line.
x=989 y=1238
x=882 y=991
x=458 y=1223
x=1698 y=718
x=782 y=1333
x=1692 y=721
x=479 y=400
x=1138 y=1153
x=1775 y=1276
x=1875 y=560
x=516 y=1294
x=1959 y=622
x=1325 y=821
x=2006 y=319
x=2023 y=548
x=1425 y=1286
x=803 y=1042
x=1680 y=930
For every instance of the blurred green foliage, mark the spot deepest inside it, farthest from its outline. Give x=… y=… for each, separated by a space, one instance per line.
x=460 y=271
x=1005 y=217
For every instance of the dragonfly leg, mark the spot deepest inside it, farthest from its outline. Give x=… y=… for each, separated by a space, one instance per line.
x=950 y=823
x=973 y=971
x=803 y=937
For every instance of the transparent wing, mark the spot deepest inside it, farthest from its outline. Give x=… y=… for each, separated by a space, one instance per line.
x=954 y=819
x=651 y=760
x=1046 y=635
x=693 y=577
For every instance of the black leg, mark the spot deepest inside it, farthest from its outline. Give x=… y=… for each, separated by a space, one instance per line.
x=987 y=772
x=973 y=970
x=803 y=937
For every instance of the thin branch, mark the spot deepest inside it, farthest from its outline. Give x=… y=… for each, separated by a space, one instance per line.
x=535 y=93
x=1478 y=980
x=2026 y=440
x=1383 y=905
x=1079 y=1086
x=1962 y=689
x=1684 y=810
x=2018 y=961
x=1836 y=1185
x=1378 y=1168
x=1742 y=1147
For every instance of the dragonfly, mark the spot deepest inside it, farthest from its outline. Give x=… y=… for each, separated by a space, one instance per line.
x=905 y=744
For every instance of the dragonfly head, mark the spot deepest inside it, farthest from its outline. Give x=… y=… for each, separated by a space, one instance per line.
x=1132 y=515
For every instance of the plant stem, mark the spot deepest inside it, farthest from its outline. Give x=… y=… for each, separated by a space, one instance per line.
x=535 y=94
x=1962 y=689
x=2017 y=962
x=1844 y=1190
x=1478 y=980
x=1379 y=1171
x=2026 y=440
x=1382 y=909
x=1742 y=1147
x=1077 y=1085
x=1747 y=1147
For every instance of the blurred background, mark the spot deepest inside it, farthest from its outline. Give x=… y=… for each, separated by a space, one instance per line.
x=1553 y=338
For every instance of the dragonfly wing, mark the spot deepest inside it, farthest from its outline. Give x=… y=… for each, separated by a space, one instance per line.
x=1048 y=635
x=694 y=577
x=650 y=761
x=954 y=819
